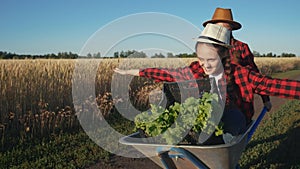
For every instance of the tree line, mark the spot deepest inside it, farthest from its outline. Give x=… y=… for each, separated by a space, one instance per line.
x=137 y=54
x=270 y=54
x=70 y=55
x=60 y=55
x=122 y=54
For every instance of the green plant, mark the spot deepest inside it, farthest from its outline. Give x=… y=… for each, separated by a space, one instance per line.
x=194 y=115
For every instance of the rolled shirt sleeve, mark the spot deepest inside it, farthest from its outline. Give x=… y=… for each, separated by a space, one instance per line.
x=250 y=82
x=194 y=71
x=265 y=85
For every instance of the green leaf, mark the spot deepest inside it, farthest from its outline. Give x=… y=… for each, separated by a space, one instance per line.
x=194 y=113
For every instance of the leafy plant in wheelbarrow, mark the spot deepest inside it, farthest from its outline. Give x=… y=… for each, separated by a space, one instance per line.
x=182 y=123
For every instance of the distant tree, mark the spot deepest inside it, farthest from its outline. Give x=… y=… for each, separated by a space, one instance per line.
x=193 y=55
x=256 y=54
x=137 y=54
x=73 y=55
x=122 y=54
x=288 y=55
x=97 y=55
x=160 y=55
x=52 y=55
x=116 y=55
x=89 y=55
x=270 y=54
x=170 y=55
x=185 y=55
x=130 y=52
x=2 y=55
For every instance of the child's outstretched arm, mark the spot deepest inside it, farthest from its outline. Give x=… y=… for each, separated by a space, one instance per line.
x=134 y=72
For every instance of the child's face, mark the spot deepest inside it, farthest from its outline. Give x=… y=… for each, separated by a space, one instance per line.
x=209 y=59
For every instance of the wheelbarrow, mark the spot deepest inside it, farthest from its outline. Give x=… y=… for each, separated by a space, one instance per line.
x=186 y=156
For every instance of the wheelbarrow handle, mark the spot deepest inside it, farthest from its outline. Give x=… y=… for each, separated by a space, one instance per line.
x=165 y=158
x=256 y=123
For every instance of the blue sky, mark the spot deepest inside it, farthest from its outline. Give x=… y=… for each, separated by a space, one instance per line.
x=52 y=26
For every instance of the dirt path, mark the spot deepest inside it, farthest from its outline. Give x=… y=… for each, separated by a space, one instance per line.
x=118 y=162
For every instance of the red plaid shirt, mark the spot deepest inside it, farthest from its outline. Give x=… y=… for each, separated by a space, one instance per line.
x=240 y=54
x=247 y=81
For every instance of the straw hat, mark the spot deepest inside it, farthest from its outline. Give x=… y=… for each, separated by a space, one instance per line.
x=215 y=34
x=224 y=15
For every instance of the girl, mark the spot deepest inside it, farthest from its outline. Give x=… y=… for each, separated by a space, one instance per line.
x=241 y=83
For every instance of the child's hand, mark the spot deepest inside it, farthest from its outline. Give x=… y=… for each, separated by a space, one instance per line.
x=268 y=105
x=134 y=72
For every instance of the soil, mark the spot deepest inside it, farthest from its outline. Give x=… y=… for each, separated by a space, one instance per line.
x=118 y=162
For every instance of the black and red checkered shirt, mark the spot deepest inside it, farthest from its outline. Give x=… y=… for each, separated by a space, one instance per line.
x=247 y=81
x=240 y=54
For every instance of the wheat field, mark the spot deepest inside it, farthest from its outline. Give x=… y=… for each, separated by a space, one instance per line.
x=36 y=95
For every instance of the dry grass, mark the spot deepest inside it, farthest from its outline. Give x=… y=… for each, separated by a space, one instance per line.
x=276 y=65
x=36 y=95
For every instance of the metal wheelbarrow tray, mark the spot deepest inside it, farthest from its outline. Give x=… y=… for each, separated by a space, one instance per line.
x=187 y=156
x=220 y=156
